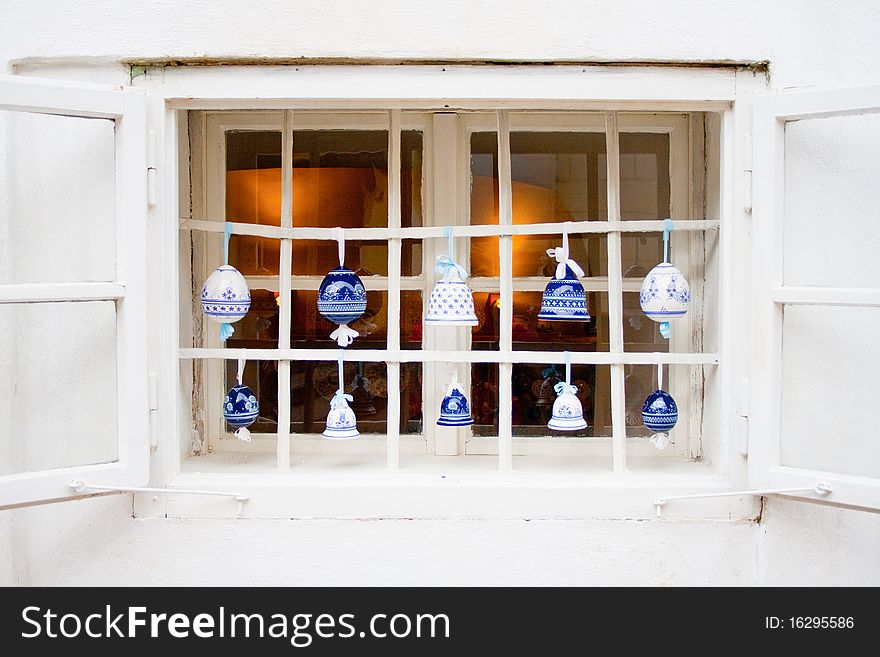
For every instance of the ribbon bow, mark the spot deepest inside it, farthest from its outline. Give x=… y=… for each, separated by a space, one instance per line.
x=454 y=385
x=340 y=399
x=560 y=254
x=565 y=386
x=445 y=264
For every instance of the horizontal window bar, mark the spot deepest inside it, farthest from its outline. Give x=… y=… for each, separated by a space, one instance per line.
x=827 y=296
x=426 y=356
x=426 y=232
x=314 y=282
x=48 y=292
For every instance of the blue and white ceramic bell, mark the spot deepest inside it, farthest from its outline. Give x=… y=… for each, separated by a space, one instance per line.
x=342 y=299
x=568 y=414
x=226 y=298
x=341 y=421
x=241 y=409
x=454 y=409
x=660 y=415
x=451 y=300
x=665 y=293
x=564 y=297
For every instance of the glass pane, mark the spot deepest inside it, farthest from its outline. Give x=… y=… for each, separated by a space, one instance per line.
x=313 y=384
x=832 y=191
x=312 y=331
x=57 y=385
x=411 y=319
x=411 y=178
x=58 y=185
x=555 y=178
x=641 y=333
x=253 y=196
x=532 y=334
x=367 y=258
x=533 y=397
x=829 y=389
x=261 y=376
x=639 y=382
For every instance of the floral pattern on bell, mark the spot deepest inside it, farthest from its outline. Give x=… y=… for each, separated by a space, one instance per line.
x=455 y=410
x=564 y=299
x=568 y=414
x=341 y=424
x=225 y=296
x=660 y=413
x=240 y=408
x=451 y=302
x=342 y=297
x=665 y=293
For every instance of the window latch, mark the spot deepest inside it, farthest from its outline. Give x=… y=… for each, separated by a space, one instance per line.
x=821 y=489
x=79 y=486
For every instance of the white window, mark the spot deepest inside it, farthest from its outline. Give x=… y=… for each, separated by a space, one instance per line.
x=73 y=375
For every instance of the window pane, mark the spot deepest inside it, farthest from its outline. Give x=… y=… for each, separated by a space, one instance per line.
x=313 y=384
x=411 y=319
x=253 y=196
x=57 y=385
x=261 y=376
x=829 y=389
x=533 y=397
x=832 y=190
x=640 y=332
x=312 y=331
x=555 y=178
x=411 y=199
x=58 y=210
x=639 y=382
x=317 y=257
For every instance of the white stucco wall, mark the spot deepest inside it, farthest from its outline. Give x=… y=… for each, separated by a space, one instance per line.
x=97 y=542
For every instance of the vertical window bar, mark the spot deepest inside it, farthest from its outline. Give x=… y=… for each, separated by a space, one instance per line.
x=285 y=271
x=505 y=336
x=392 y=428
x=615 y=295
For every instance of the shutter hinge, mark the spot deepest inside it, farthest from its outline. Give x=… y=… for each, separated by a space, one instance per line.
x=747 y=173
x=151 y=168
x=743 y=411
x=153 y=385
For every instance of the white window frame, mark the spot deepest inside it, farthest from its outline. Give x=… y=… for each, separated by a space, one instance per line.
x=612 y=493
x=771 y=113
x=126 y=107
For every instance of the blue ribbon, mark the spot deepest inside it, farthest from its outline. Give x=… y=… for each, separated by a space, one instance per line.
x=445 y=264
x=667 y=229
x=547 y=372
x=665 y=330
x=227 y=233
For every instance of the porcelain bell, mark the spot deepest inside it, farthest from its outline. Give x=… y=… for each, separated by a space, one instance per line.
x=568 y=414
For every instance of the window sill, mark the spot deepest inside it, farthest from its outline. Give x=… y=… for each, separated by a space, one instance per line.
x=428 y=487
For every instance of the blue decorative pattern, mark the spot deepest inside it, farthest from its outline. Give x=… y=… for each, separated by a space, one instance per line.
x=225 y=295
x=451 y=302
x=455 y=410
x=564 y=300
x=665 y=293
x=568 y=414
x=342 y=297
x=660 y=413
x=240 y=408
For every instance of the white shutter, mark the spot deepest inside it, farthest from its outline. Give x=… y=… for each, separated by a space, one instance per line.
x=816 y=307
x=119 y=292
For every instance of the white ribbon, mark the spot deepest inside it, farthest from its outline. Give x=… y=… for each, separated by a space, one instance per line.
x=344 y=335
x=566 y=386
x=660 y=440
x=560 y=254
x=339 y=235
x=454 y=385
x=340 y=399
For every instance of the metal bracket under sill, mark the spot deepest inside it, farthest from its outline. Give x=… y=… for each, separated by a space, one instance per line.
x=821 y=489
x=79 y=486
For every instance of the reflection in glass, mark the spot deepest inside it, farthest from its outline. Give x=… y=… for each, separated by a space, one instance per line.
x=533 y=397
x=640 y=333
x=555 y=178
x=639 y=381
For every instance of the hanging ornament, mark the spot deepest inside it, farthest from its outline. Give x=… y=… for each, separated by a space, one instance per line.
x=454 y=409
x=341 y=297
x=564 y=297
x=451 y=300
x=660 y=413
x=241 y=408
x=665 y=294
x=362 y=399
x=568 y=414
x=226 y=297
x=341 y=421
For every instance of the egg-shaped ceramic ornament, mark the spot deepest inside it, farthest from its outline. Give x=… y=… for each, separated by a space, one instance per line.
x=342 y=299
x=665 y=293
x=241 y=409
x=226 y=298
x=660 y=415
